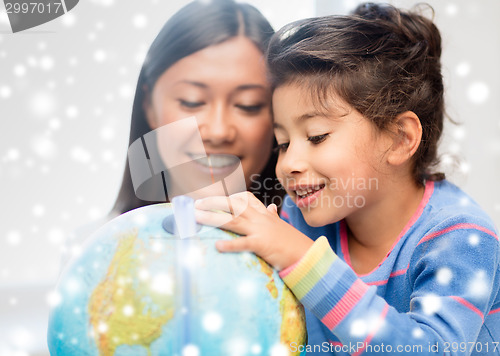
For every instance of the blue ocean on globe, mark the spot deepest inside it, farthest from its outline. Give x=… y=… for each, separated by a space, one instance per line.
x=139 y=290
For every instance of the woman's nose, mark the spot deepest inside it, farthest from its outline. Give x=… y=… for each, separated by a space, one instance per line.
x=218 y=126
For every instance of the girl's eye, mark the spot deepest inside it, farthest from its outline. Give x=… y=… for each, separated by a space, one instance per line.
x=251 y=109
x=282 y=147
x=317 y=139
x=191 y=104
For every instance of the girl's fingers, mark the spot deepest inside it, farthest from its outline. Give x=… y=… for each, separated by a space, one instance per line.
x=235 y=204
x=219 y=219
x=212 y=218
x=272 y=208
x=223 y=203
x=237 y=245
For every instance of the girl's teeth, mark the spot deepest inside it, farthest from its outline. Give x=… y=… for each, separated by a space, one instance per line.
x=306 y=192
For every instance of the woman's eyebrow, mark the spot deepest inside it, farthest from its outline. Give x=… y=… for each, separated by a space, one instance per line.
x=251 y=86
x=195 y=83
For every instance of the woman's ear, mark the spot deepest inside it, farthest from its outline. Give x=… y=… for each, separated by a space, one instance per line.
x=408 y=135
x=147 y=106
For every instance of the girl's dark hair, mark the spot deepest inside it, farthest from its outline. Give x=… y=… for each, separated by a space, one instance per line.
x=196 y=26
x=381 y=60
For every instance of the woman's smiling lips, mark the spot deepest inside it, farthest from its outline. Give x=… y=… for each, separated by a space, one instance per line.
x=216 y=163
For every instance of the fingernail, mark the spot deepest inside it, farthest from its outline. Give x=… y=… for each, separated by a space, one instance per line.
x=219 y=245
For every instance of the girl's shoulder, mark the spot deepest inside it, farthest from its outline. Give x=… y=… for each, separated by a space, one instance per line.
x=450 y=203
x=452 y=219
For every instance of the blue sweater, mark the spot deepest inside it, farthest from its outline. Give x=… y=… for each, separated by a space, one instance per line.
x=436 y=291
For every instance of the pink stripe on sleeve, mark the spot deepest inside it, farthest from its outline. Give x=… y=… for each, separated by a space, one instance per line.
x=462 y=226
x=494 y=311
x=345 y=304
x=374 y=331
x=468 y=305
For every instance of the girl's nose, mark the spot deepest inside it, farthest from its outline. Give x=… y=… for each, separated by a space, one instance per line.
x=292 y=161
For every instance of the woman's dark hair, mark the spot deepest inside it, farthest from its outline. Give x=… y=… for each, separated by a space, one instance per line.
x=380 y=60
x=196 y=26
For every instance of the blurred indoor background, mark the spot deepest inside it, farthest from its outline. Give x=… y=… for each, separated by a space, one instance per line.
x=66 y=92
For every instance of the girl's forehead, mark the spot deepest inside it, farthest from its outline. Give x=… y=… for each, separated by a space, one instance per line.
x=303 y=101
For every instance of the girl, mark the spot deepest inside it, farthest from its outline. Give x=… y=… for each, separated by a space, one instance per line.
x=386 y=256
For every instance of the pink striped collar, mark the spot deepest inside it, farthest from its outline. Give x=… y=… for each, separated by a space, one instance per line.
x=429 y=189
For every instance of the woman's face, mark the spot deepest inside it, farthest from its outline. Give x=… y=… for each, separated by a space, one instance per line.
x=224 y=87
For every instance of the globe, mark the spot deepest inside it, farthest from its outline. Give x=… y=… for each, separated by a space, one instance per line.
x=137 y=289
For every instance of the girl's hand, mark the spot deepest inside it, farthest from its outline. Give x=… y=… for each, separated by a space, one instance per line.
x=265 y=234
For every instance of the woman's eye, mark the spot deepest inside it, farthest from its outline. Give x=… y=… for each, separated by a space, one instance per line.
x=251 y=109
x=191 y=104
x=281 y=147
x=317 y=139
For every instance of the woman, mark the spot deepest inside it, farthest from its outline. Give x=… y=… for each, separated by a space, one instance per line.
x=206 y=63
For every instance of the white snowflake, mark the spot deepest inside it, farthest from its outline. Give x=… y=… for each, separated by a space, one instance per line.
x=478 y=285
x=212 y=321
x=444 y=276
x=128 y=310
x=56 y=236
x=279 y=350
x=79 y=154
x=478 y=92
x=55 y=124
x=38 y=210
x=256 y=349
x=107 y=133
x=451 y=9
x=459 y=133
x=42 y=104
x=462 y=69
x=54 y=298
x=69 y=19
x=474 y=239
x=190 y=350
x=72 y=111
x=126 y=91
x=417 y=333
x=162 y=283
x=102 y=327
x=5 y=92
x=44 y=147
x=14 y=237
x=46 y=63
x=139 y=21
x=13 y=155
x=247 y=289
x=19 y=70
x=100 y=55
x=431 y=304
x=237 y=346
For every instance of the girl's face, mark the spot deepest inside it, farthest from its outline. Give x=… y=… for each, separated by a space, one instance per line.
x=331 y=163
x=224 y=87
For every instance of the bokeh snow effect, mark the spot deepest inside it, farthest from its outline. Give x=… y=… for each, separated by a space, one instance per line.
x=66 y=91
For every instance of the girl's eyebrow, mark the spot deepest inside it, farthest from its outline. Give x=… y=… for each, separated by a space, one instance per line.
x=301 y=118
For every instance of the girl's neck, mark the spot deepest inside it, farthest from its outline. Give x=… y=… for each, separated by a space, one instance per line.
x=373 y=230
